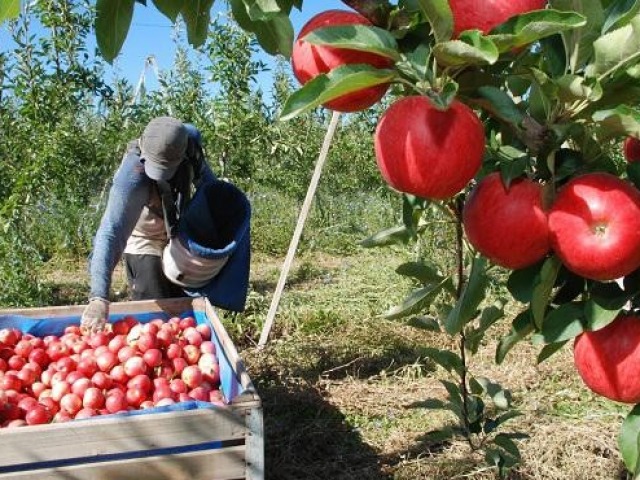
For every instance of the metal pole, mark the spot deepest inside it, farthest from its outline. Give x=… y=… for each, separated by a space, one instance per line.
x=293 y=245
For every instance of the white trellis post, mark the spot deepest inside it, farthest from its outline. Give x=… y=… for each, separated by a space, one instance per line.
x=293 y=245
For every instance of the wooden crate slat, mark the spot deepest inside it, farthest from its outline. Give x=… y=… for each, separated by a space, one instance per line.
x=170 y=306
x=235 y=362
x=223 y=464
x=118 y=435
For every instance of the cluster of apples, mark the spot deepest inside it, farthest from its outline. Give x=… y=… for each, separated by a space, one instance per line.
x=129 y=366
x=592 y=221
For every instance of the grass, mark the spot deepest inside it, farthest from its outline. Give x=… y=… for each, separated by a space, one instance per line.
x=338 y=383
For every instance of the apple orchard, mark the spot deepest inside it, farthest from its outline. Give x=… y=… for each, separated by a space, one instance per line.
x=506 y=117
x=516 y=120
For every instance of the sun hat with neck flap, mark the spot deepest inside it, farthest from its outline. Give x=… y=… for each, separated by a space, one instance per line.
x=163 y=145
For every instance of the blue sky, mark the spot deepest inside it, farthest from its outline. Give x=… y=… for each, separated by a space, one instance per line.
x=151 y=34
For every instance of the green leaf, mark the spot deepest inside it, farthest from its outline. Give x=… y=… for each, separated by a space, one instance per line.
x=563 y=323
x=500 y=459
x=416 y=65
x=530 y=27
x=629 y=439
x=616 y=50
x=520 y=328
x=617 y=122
x=543 y=286
x=9 y=9
x=619 y=13
x=169 y=8
x=508 y=445
x=363 y=38
x=197 y=15
x=553 y=55
x=472 y=295
x=423 y=272
x=575 y=87
x=472 y=48
x=492 y=424
x=417 y=301
x=578 y=43
x=501 y=398
x=447 y=359
x=261 y=10
x=633 y=173
x=604 y=305
x=513 y=169
x=489 y=316
x=454 y=392
x=501 y=105
x=392 y=236
x=113 y=19
x=522 y=282
x=439 y=15
x=428 y=324
x=548 y=350
x=275 y=34
x=338 y=82
x=376 y=11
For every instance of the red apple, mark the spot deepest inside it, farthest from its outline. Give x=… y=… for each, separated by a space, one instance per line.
x=192 y=376
x=428 y=152
x=595 y=226
x=153 y=357
x=631 y=149
x=116 y=402
x=106 y=361
x=485 y=15
x=86 y=412
x=38 y=415
x=135 y=396
x=205 y=331
x=124 y=325
x=80 y=386
x=135 y=366
x=93 y=398
x=508 y=226
x=9 y=336
x=308 y=61
x=608 y=360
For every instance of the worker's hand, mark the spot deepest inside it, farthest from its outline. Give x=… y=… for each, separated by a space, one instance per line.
x=94 y=317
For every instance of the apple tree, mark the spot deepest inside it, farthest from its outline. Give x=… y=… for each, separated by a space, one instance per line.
x=508 y=119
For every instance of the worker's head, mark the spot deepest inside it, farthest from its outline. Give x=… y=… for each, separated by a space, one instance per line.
x=163 y=145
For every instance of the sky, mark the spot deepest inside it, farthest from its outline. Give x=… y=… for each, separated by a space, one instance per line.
x=151 y=34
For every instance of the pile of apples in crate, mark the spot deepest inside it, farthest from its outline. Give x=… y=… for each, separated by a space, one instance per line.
x=129 y=366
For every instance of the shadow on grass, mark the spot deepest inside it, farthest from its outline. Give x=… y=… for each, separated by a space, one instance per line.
x=308 y=438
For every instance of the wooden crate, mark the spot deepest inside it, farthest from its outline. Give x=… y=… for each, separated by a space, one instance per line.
x=204 y=442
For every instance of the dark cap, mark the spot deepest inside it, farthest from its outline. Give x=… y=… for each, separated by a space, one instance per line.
x=163 y=145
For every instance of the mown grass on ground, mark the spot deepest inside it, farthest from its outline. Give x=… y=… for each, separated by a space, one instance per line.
x=339 y=383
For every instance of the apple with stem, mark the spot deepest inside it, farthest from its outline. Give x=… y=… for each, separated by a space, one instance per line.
x=427 y=151
x=594 y=224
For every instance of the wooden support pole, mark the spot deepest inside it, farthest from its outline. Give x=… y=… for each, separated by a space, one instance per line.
x=293 y=245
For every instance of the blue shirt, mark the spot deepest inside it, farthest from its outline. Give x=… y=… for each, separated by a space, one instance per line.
x=128 y=195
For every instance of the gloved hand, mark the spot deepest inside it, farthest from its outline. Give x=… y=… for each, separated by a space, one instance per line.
x=94 y=317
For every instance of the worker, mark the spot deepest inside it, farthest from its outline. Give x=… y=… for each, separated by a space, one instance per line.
x=168 y=252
